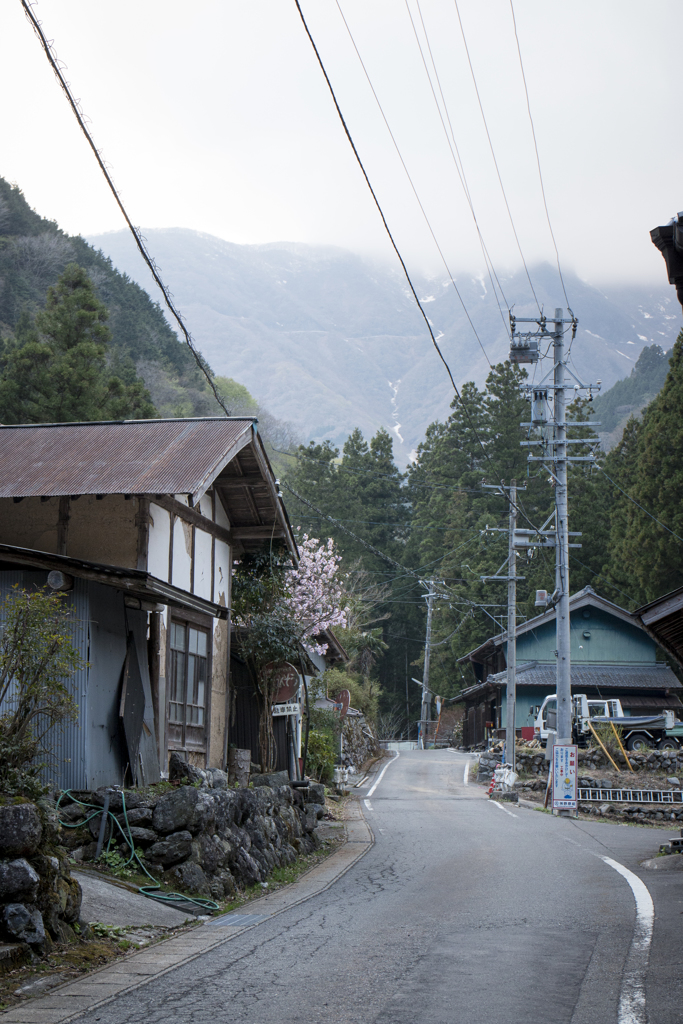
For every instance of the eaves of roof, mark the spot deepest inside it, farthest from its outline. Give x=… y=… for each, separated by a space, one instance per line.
x=135 y=582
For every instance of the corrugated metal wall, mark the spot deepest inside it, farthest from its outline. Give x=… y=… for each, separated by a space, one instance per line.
x=67 y=743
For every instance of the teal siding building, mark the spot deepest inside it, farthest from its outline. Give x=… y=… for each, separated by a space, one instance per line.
x=611 y=656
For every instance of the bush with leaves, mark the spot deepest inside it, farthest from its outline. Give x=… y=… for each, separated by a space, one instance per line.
x=363 y=692
x=37 y=661
x=321 y=756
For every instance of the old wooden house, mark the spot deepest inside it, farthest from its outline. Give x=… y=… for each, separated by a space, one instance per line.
x=612 y=655
x=139 y=522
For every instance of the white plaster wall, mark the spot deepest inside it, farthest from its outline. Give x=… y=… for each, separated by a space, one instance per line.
x=203 y=506
x=159 y=535
x=182 y=548
x=221 y=515
x=223 y=556
x=202 y=564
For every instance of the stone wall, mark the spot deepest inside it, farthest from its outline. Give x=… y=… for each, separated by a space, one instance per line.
x=533 y=762
x=206 y=838
x=360 y=742
x=39 y=900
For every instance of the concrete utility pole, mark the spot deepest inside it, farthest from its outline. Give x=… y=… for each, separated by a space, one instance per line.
x=552 y=437
x=426 y=710
x=510 y=754
x=564 y=684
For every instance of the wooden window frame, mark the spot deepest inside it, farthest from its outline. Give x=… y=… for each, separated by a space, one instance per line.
x=186 y=617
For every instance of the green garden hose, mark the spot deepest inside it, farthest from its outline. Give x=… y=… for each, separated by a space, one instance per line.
x=152 y=891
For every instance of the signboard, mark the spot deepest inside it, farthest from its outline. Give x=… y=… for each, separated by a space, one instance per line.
x=286 y=709
x=283 y=676
x=565 y=762
x=342 y=702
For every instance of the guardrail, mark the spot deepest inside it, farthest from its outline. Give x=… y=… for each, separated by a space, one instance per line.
x=632 y=796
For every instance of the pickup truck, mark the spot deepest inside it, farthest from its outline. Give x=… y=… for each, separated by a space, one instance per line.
x=638 y=733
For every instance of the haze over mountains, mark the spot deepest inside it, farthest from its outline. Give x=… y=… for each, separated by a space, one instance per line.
x=329 y=341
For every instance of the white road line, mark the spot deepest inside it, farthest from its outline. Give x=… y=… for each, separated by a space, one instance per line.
x=368 y=804
x=466 y=776
x=381 y=774
x=632 y=1008
x=512 y=816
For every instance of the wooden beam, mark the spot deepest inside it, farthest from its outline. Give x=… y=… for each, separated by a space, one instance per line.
x=142 y=523
x=232 y=483
x=256 y=532
x=193 y=517
x=63 y=524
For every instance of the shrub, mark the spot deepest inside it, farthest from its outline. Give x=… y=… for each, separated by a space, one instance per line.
x=37 y=661
x=321 y=755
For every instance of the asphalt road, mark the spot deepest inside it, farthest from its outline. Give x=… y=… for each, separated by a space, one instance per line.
x=461 y=913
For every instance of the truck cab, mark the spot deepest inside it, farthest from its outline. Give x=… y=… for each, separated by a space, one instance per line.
x=637 y=733
x=583 y=709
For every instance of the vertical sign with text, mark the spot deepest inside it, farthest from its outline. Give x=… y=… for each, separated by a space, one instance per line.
x=565 y=792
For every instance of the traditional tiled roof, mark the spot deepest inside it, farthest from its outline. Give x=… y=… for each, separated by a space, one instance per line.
x=608 y=677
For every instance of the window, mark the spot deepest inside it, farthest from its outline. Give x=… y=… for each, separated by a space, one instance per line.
x=187 y=686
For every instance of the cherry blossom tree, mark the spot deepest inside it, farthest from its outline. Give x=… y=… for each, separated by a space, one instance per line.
x=315 y=594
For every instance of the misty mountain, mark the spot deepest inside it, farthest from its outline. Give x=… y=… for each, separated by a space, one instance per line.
x=329 y=341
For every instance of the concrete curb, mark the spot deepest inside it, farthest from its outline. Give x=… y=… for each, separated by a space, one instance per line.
x=71 y=1000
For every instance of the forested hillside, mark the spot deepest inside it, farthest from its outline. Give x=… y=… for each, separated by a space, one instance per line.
x=438 y=521
x=34 y=252
x=630 y=395
x=341 y=338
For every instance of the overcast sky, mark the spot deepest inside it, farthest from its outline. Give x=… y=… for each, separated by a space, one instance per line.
x=214 y=115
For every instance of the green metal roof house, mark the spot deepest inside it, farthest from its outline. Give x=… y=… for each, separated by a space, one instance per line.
x=611 y=654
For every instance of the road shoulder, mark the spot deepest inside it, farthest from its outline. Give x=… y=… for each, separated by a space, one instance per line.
x=69 y=1001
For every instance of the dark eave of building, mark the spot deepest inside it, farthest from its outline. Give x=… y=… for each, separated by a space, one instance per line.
x=133 y=582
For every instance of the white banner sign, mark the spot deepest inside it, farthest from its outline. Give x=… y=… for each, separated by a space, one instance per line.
x=565 y=762
x=286 y=709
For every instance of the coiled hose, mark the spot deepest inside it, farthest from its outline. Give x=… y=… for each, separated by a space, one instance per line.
x=152 y=891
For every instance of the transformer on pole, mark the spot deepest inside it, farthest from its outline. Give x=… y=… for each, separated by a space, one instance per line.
x=551 y=437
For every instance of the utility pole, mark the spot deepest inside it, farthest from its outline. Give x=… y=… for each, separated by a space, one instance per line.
x=552 y=437
x=510 y=754
x=426 y=710
x=564 y=682
x=511 y=646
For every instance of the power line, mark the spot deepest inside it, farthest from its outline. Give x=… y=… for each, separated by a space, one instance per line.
x=139 y=241
x=493 y=154
x=654 y=518
x=538 y=159
x=456 y=157
x=380 y=476
x=386 y=226
x=372 y=522
x=412 y=184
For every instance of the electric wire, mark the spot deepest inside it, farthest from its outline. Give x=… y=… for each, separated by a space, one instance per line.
x=538 y=159
x=386 y=226
x=456 y=157
x=48 y=47
x=414 y=188
x=493 y=154
x=654 y=518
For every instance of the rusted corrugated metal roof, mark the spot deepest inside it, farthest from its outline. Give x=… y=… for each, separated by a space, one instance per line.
x=131 y=457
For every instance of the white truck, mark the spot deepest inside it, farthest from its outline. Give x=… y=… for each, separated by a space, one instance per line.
x=638 y=733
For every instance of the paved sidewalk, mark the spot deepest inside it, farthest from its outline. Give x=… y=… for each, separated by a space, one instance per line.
x=69 y=1001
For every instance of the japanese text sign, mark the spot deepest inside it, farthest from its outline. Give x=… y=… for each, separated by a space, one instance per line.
x=565 y=761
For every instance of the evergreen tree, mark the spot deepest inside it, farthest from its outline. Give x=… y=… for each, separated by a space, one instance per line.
x=646 y=558
x=54 y=368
